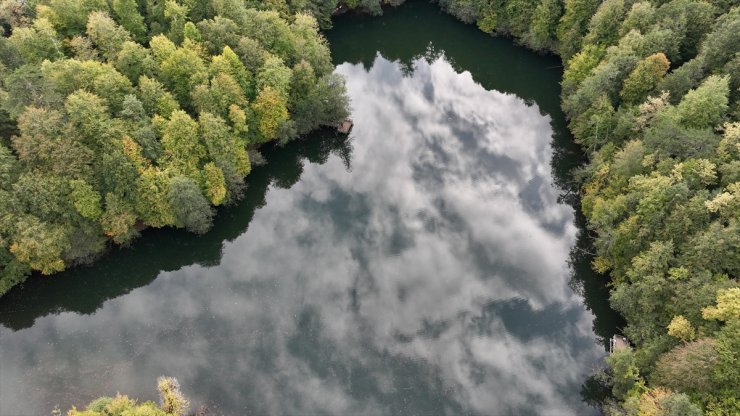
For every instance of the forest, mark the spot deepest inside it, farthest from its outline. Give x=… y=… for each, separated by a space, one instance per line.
x=126 y=114
x=117 y=116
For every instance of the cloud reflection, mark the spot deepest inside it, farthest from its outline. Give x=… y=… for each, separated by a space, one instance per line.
x=432 y=278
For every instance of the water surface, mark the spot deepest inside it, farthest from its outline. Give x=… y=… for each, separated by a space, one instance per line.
x=423 y=266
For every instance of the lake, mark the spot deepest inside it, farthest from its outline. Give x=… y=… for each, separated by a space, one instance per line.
x=430 y=263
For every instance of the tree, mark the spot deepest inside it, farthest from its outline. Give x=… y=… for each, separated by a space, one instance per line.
x=183 y=150
x=276 y=75
x=690 y=20
x=310 y=45
x=155 y=98
x=27 y=86
x=224 y=148
x=151 y=198
x=176 y=14
x=542 y=32
x=682 y=79
x=270 y=110
x=580 y=67
x=108 y=36
x=681 y=328
x=36 y=43
x=133 y=61
x=680 y=404
x=688 y=367
x=728 y=306
x=85 y=199
x=173 y=402
x=190 y=207
x=229 y=63
x=88 y=115
x=641 y=17
x=603 y=28
x=119 y=219
x=182 y=70
x=82 y=48
x=128 y=14
x=39 y=244
x=625 y=376
x=574 y=25
x=70 y=16
x=705 y=106
x=214 y=184
x=218 y=33
x=720 y=45
x=219 y=95
x=644 y=78
x=117 y=405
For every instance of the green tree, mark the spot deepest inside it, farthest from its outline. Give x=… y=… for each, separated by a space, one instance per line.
x=276 y=75
x=542 y=32
x=177 y=16
x=108 y=36
x=721 y=44
x=641 y=17
x=70 y=16
x=603 y=28
x=681 y=328
x=190 y=207
x=214 y=184
x=224 y=147
x=155 y=97
x=181 y=71
x=574 y=25
x=128 y=14
x=35 y=43
x=705 y=106
x=85 y=199
x=133 y=61
x=39 y=244
x=181 y=143
x=119 y=219
x=643 y=80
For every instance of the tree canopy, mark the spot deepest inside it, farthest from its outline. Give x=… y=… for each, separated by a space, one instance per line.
x=132 y=114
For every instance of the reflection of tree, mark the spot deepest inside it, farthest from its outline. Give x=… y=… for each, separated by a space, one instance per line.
x=592 y=286
x=85 y=289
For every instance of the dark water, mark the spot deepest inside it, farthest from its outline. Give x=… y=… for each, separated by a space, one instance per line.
x=430 y=264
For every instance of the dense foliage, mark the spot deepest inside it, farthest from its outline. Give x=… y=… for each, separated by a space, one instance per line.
x=172 y=403
x=124 y=114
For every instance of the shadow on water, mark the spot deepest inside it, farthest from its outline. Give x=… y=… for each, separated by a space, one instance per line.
x=159 y=250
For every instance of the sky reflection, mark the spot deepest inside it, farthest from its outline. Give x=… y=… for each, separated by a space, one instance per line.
x=429 y=278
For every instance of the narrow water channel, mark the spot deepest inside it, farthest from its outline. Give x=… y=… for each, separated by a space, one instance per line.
x=430 y=263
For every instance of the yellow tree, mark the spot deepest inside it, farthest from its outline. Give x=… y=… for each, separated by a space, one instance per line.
x=271 y=111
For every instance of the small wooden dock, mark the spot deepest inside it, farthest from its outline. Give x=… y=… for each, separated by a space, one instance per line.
x=618 y=342
x=345 y=126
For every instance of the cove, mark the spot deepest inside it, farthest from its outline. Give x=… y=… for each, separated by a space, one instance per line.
x=431 y=263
